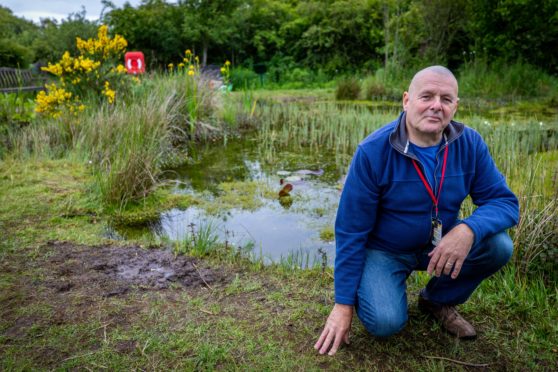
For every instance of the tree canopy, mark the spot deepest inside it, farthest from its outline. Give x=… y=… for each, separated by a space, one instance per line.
x=329 y=35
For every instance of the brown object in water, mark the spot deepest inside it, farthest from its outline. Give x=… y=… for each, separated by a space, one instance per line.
x=286 y=190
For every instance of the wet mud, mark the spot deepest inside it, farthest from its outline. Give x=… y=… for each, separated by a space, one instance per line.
x=112 y=270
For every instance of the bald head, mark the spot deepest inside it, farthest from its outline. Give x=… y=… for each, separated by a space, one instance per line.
x=437 y=70
x=430 y=105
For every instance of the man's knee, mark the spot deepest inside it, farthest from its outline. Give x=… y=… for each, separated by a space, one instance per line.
x=499 y=248
x=382 y=323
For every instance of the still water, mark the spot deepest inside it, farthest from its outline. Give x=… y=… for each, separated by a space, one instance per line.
x=275 y=228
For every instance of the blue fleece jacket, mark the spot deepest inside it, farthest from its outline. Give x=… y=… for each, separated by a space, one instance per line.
x=384 y=204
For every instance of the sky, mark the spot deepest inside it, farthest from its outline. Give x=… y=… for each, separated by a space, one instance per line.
x=59 y=9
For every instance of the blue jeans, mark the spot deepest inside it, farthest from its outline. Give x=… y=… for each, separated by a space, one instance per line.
x=382 y=298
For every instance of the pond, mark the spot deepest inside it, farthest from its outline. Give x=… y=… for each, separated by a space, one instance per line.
x=239 y=185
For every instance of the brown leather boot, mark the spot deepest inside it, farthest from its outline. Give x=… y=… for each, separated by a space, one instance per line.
x=450 y=319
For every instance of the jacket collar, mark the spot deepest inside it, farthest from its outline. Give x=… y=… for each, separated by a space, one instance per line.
x=399 y=138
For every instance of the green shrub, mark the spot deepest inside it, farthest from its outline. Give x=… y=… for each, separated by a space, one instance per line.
x=16 y=112
x=243 y=78
x=505 y=80
x=374 y=89
x=13 y=54
x=347 y=89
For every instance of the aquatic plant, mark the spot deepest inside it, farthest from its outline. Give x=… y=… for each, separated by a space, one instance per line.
x=199 y=241
x=348 y=89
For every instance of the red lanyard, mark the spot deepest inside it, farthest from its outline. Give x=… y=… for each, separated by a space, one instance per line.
x=428 y=188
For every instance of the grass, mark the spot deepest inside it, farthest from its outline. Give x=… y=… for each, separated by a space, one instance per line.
x=131 y=143
x=502 y=80
x=260 y=318
x=257 y=317
x=200 y=241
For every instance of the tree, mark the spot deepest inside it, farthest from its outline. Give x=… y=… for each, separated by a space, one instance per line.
x=155 y=28
x=340 y=34
x=262 y=26
x=208 y=22
x=516 y=29
x=15 y=34
x=54 y=39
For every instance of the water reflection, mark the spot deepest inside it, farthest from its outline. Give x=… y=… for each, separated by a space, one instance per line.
x=272 y=233
x=276 y=229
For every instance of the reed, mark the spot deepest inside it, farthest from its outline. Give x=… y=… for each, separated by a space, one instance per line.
x=200 y=241
x=338 y=127
x=128 y=144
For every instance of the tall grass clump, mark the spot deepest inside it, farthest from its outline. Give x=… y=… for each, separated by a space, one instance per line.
x=127 y=145
x=374 y=89
x=132 y=143
x=44 y=137
x=348 y=89
x=386 y=84
x=200 y=241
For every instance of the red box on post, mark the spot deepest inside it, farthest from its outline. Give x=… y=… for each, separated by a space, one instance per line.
x=134 y=62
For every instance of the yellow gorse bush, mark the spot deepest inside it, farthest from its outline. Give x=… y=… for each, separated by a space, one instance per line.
x=109 y=93
x=94 y=74
x=56 y=101
x=71 y=66
x=103 y=47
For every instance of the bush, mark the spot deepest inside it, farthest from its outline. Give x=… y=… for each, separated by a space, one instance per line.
x=374 y=89
x=347 y=89
x=505 y=80
x=16 y=111
x=243 y=78
x=95 y=74
x=13 y=54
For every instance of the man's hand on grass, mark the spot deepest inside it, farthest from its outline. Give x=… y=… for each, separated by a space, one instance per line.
x=336 y=330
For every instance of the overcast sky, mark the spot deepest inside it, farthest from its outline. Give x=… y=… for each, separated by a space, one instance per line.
x=36 y=9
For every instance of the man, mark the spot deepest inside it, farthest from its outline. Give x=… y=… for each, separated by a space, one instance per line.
x=399 y=213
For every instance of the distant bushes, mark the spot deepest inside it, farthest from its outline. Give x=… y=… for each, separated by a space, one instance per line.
x=13 y=54
x=348 y=89
x=505 y=80
x=499 y=80
x=244 y=78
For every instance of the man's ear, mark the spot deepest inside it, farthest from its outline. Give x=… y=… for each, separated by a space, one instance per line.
x=405 y=100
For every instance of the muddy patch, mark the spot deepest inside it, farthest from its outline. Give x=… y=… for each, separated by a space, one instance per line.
x=113 y=271
x=68 y=298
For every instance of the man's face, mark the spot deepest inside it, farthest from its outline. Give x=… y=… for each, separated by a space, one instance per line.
x=430 y=103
